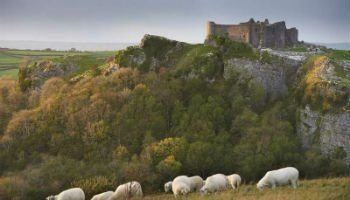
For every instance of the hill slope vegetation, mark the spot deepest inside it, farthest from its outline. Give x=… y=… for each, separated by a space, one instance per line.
x=152 y=112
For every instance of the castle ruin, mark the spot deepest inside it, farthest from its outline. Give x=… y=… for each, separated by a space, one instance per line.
x=258 y=34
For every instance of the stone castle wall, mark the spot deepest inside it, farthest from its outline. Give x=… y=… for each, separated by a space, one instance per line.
x=258 y=34
x=236 y=32
x=292 y=36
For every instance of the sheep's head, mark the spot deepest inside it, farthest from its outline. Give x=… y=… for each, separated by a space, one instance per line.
x=167 y=186
x=203 y=190
x=52 y=197
x=260 y=185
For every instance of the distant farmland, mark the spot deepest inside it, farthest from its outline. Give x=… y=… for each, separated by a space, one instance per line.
x=10 y=59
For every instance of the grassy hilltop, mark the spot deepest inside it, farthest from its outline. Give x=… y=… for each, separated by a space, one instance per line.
x=151 y=112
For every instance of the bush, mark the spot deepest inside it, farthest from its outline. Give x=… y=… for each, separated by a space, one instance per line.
x=95 y=185
x=233 y=49
x=168 y=168
x=265 y=57
x=203 y=61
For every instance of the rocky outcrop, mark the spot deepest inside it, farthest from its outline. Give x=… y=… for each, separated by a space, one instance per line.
x=275 y=78
x=36 y=74
x=330 y=130
x=328 y=123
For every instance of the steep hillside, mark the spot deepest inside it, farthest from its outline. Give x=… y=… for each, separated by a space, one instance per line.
x=323 y=94
x=165 y=108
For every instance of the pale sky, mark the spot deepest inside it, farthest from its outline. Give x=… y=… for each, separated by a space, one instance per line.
x=184 y=20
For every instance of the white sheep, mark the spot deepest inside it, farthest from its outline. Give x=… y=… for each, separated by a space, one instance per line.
x=234 y=180
x=127 y=191
x=167 y=186
x=181 y=185
x=284 y=176
x=196 y=183
x=70 y=194
x=214 y=183
x=102 y=196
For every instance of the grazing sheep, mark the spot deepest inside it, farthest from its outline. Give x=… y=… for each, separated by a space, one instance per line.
x=127 y=191
x=234 y=180
x=214 y=183
x=196 y=183
x=102 y=196
x=284 y=176
x=181 y=185
x=167 y=186
x=70 y=194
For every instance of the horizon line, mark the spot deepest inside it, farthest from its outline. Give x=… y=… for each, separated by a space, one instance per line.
x=131 y=42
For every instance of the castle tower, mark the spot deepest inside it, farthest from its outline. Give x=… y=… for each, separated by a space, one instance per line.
x=210 y=28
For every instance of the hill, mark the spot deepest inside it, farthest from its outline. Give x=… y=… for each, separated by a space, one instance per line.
x=164 y=108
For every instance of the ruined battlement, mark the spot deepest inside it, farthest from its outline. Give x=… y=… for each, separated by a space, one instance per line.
x=258 y=34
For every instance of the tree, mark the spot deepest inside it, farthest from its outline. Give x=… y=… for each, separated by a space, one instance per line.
x=201 y=158
x=168 y=168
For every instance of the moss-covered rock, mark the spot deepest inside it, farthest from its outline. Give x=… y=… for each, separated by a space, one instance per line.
x=34 y=75
x=232 y=49
x=133 y=56
x=323 y=84
x=185 y=60
x=202 y=61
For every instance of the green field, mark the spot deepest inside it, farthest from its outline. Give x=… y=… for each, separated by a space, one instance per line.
x=10 y=60
x=318 y=189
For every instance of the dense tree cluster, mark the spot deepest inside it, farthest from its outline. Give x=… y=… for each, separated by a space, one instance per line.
x=146 y=126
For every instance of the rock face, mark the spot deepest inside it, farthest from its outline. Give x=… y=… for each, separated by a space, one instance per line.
x=271 y=77
x=37 y=74
x=292 y=58
x=275 y=78
x=331 y=130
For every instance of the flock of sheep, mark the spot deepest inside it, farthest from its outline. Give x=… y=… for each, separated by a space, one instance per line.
x=183 y=185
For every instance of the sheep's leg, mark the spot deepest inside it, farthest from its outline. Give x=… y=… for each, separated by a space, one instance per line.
x=233 y=186
x=294 y=184
x=273 y=185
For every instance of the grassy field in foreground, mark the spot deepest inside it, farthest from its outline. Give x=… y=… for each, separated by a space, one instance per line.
x=333 y=188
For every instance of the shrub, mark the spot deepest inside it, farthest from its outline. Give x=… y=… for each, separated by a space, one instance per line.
x=233 y=49
x=203 y=61
x=95 y=185
x=265 y=57
x=168 y=168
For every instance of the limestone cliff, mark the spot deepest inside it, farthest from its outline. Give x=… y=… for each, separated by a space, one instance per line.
x=330 y=130
x=274 y=77
x=321 y=87
x=324 y=97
